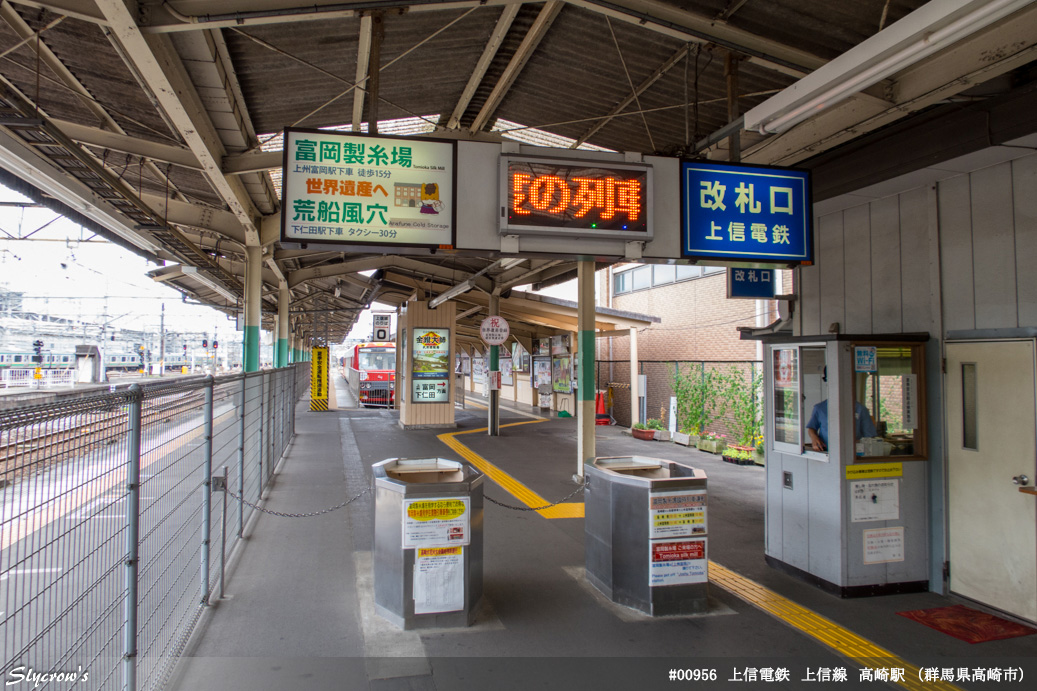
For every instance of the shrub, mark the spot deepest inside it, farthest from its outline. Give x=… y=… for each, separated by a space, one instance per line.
x=699 y=400
x=746 y=404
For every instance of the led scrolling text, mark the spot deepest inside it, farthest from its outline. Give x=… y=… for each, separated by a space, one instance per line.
x=552 y=194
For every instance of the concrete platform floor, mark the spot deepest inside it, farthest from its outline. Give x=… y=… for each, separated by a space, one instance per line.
x=299 y=611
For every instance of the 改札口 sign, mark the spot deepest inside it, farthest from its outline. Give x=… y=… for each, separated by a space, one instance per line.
x=745 y=213
x=569 y=198
x=757 y=284
x=347 y=187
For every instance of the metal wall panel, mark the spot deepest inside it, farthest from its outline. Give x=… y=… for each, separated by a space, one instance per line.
x=830 y=260
x=1024 y=184
x=857 y=257
x=916 y=305
x=993 y=245
x=885 y=262
x=795 y=511
x=959 y=301
x=808 y=282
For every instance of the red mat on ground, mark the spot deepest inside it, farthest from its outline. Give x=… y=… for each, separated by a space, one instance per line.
x=969 y=625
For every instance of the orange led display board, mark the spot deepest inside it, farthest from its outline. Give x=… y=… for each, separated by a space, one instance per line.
x=575 y=198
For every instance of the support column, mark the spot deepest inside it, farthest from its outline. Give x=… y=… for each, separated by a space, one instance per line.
x=635 y=393
x=493 y=424
x=253 y=313
x=585 y=445
x=284 y=297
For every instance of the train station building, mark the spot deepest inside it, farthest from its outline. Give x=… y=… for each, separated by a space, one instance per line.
x=294 y=165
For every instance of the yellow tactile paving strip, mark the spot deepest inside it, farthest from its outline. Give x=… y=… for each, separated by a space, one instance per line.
x=824 y=630
x=524 y=494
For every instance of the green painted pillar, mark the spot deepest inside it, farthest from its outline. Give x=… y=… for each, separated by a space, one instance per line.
x=493 y=422
x=281 y=347
x=253 y=315
x=585 y=314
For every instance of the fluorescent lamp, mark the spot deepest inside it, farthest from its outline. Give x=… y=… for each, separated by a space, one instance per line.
x=932 y=27
x=208 y=282
x=460 y=288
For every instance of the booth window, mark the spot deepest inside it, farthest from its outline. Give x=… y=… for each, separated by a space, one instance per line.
x=889 y=380
x=799 y=385
x=786 y=410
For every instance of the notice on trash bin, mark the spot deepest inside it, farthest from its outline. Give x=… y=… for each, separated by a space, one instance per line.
x=677 y=514
x=436 y=522
x=438 y=579
x=677 y=563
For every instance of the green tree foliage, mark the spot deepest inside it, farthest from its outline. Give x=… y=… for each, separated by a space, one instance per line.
x=743 y=393
x=699 y=397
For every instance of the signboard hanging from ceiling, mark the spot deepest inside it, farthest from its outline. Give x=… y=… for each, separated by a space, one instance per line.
x=352 y=188
x=575 y=198
x=744 y=213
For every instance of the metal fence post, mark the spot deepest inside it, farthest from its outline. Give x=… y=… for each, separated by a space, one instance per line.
x=133 y=438
x=241 y=461
x=207 y=491
x=260 y=444
x=268 y=390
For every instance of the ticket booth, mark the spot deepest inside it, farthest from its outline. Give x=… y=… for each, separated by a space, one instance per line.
x=847 y=461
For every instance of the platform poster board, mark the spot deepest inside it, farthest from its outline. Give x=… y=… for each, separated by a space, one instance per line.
x=319 y=379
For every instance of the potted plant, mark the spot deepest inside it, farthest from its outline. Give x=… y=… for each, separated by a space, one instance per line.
x=712 y=443
x=739 y=455
x=660 y=432
x=685 y=438
x=641 y=431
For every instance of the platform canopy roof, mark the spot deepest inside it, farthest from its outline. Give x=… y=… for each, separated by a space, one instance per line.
x=156 y=122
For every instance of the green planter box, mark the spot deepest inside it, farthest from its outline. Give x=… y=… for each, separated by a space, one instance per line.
x=712 y=445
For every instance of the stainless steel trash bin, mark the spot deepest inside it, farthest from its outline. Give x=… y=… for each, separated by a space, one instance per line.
x=428 y=547
x=646 y=534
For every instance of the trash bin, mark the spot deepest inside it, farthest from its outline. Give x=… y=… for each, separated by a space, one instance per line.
x=646 y=534
x=428 y=546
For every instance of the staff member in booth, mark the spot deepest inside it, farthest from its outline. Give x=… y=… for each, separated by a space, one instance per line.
x=817 y=425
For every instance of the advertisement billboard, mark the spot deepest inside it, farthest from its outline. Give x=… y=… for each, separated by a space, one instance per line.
x=348 y=187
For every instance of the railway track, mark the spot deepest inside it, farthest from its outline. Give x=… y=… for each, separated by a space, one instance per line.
x=29 y=449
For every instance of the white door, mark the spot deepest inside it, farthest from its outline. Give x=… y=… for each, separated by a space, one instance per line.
x=991 y=433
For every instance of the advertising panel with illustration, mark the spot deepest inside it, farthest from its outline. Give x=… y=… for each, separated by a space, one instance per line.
x=348 y=187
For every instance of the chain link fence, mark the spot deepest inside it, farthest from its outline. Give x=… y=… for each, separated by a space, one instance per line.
x=109 y=547
x=659 y=389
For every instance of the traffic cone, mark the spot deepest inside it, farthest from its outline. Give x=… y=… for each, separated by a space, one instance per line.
x=601 y=417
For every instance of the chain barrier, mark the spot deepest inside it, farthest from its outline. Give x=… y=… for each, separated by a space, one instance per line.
x=299 y=515
x=232 y=495
x=564 y=499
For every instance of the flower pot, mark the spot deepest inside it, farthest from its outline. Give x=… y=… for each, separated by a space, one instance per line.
x=662 y=435
x=646 y=434
x=711 y=445
x=761 y=458
x=682 y=439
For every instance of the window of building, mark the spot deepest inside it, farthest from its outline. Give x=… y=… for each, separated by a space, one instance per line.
x=663 y=274
x=621 y=283
x=685 y=271
x=651 y=276
x=642 y=276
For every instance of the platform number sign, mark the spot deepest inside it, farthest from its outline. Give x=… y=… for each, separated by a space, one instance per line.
x=381 y=326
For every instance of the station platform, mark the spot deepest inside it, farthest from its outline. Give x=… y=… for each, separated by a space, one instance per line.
x=299 y=612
